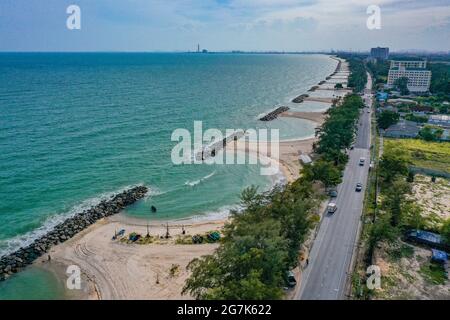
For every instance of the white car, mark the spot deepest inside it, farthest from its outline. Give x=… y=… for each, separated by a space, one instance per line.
x=331 y=208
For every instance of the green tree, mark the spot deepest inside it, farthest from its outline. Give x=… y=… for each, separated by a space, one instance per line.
x=394 y=201
x=402 y=85
x=413 y=216
x=419 y=119
x=440 y=78
x=324 y=172
x=250 y=265
x=445 y=231
x=260 y=243
x=338 y=130
x=394 y=162
x=431 y=134
x=338 y=86
x=381 y=230
x=358 y=77
x=387 y=118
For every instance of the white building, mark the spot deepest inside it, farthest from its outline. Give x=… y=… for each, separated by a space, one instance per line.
x=442 y=120
x=419 y=78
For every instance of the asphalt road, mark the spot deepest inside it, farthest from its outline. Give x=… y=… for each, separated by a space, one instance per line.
x=325 y=277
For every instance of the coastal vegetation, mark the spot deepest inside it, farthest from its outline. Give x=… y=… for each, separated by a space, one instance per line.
x=379 y=70
x=414 y=118
x=402 y=85
x=261 y=242
x=358 y=78
x=338 y=130
x=387 y=118
x=431 y=133
x=420 y=153
x=440 y=78
x=400 y=203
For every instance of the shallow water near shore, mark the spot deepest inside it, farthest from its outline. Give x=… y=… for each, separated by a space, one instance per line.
x=32 y=284
x=78 y=126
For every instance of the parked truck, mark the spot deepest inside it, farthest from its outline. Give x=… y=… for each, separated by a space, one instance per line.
x=331 y=208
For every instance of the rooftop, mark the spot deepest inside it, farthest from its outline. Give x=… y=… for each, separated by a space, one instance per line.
x=409 y=69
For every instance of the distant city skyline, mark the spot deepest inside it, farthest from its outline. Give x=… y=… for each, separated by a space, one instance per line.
x=224 y=25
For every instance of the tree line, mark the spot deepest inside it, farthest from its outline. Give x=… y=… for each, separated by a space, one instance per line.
x=358 y=78
x=398 y=212
x=262 y=240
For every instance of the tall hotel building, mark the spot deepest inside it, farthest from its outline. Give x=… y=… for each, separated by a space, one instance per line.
x=419 y=77
x=379 y=53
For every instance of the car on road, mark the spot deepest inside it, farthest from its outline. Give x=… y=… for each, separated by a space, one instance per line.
x=361 y=161
x=358 y=187
x=331 y=208
x=290 y=277
x=333 y=193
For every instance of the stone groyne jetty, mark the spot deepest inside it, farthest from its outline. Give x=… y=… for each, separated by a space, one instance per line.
x=211 y=150
x=16 y=261
x=274 y=114
x=300 y=98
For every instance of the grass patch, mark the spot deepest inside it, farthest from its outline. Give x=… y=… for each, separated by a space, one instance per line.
x=433 y=273
x=425 y=154
x=402 y=251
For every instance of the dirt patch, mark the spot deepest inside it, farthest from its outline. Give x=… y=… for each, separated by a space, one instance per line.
x=432 y=197
x=407 y=273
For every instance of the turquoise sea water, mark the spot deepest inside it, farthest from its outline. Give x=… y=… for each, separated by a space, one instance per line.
x=77 y=127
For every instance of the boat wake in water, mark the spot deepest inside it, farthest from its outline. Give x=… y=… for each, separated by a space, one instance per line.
x=196 y=182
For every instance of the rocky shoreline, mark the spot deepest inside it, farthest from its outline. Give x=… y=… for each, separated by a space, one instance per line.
x=274 y=114
x=16 y=261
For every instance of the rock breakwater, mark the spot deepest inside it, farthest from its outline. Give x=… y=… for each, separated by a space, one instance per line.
x=274 y=114
x=16 y=261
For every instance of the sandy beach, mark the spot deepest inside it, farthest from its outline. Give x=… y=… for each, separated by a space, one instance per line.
x=115 y=269
x=112 y=269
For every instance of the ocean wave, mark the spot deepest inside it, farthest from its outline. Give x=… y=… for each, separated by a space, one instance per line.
x=196 y=182
x=219 y=214
x=10 y=245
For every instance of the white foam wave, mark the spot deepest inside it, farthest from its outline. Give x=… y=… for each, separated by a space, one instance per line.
x=10 y=245
x=196 y=182
x=219 y=214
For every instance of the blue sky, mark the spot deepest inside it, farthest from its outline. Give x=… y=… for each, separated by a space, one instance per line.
x=178 y=25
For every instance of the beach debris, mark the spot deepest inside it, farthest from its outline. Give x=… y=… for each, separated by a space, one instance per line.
x=274 y=114
x=209 y=237
x=174 y=270
x=213 y=236
x=118 y=234
x=133 y=237
x=197 y=239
